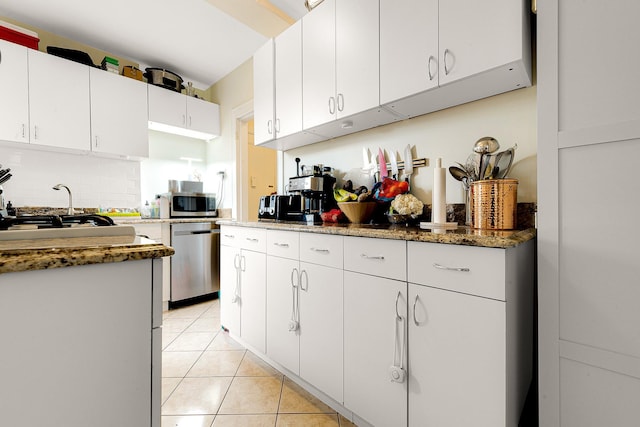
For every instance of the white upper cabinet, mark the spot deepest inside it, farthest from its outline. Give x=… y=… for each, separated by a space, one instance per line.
x=264 y=93
x=319 y=65
x=203 y=116
x=288 y=81
x=478 y=36
x=469 y=49
x=340 y=68
x=408 y=48
x=14 y=108
x=174 y=112
x=121 y=101
x=59 y=102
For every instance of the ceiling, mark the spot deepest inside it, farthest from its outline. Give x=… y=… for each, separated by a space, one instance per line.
x=200 y=40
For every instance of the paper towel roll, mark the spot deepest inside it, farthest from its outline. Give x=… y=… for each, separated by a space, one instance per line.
x=439 y=202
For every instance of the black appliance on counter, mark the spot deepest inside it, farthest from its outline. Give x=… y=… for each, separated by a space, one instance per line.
x=281 y=208
x=309 y=196
x=55 y=221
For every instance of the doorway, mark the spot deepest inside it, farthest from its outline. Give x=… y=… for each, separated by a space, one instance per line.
x=257 y=170
x=261 y=170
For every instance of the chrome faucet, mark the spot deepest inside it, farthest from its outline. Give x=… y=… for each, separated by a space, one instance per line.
x=58 y=187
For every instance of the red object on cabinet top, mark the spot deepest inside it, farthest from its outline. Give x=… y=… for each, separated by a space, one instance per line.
x=18 y=35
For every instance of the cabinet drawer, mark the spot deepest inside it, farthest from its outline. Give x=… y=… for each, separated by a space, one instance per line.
x=321 y=249
x=284 y=244
x=230 y=235
x=467 y=269
x=377 y=257
x=253 y=239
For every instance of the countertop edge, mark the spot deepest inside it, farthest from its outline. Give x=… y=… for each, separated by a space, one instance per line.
x=20 y=260
x=462 y=236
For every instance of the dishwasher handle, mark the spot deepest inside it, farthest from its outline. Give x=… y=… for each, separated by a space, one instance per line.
x=187 y=233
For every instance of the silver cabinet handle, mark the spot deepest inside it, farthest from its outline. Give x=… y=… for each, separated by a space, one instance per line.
x=365 y=256
x=340 y=102
x=306 y=276
x=429 y=61
x=96 y=141
x=443 y=267
x=243 y=263
x=332 y=105
x=230 y=236
x=23 y=130
x=415 y=320
x=270 y=127
x=281 y=245
x=252 y=239
x=184 y=119
x=35 y=132
x=398 y=299
x=444 y=58
x=324 y=251
x=189 y=120
x=294 y=323
x=277 y=125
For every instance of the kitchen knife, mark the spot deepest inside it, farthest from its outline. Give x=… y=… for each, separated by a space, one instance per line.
x=408 y=163
x=5 y=178
x=394 y=165
x=382 y=163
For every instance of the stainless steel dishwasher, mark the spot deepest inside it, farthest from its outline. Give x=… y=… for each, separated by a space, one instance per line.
x=195 y=267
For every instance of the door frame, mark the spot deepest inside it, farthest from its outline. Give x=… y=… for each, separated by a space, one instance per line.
x=241 y=115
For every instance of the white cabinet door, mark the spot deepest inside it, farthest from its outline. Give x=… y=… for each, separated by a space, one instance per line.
x=264 y=93
x=457 y=359
x=357 y=56
x=59 y=102
x=372 y=304
x=118 y=115
x=477 y=36
x=203 y=116
x=408 y=48
x=283 y=341
x=319 y=65
x=321 y=323
x=167 y=107
x=288 y=81
x=230 y=288
x=253 y=266
x=14 y=108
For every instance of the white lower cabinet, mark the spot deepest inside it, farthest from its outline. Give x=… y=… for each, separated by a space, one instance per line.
x=399 y=333
x=305 y=311
x=243 y=284
x=374 y=336
x=456 y=359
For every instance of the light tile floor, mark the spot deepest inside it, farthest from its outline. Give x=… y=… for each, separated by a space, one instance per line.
x=209 y=380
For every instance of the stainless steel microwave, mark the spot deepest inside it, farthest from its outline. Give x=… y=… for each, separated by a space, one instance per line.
x=190 y=205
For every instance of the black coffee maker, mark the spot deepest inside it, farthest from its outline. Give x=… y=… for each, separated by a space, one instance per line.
x=316 y=192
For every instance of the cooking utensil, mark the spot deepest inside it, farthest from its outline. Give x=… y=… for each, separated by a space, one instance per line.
x=164 y=78
x=394 y=165
x=382 y=163
x=3 y=172
x=5 y=178
x=504 y=163
x=458 y=173
x=408 y=163
x=483 y=146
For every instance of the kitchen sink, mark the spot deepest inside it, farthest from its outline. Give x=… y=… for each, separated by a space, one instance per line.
x=74 y=231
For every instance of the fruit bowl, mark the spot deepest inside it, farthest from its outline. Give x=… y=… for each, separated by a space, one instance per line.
x=358 y=212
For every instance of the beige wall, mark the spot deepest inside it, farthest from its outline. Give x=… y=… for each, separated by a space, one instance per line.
x=231 y=92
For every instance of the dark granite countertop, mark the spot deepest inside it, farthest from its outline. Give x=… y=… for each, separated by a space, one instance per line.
x=41 y=254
